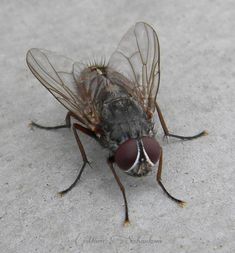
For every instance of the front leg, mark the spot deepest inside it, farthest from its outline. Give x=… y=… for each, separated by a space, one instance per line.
x=82 y=151
x=167 y=133
x=110 y=162
x=75 y=127
x=159 y=180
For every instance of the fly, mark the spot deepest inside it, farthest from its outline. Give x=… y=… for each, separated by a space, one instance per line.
x=112 y=103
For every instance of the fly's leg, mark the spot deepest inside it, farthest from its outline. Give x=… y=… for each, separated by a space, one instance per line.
x=167 y=133
x=159 y=180
x=66 y=125
x=110 y=163
x=75 y=127
x=82 y=151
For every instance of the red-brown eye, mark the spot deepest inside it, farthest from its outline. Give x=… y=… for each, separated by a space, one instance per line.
x=126 y=154
x=152 y=148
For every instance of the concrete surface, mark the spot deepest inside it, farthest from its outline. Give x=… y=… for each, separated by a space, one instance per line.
x=197 y=92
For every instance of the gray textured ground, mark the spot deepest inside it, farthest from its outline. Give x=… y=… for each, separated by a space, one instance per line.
x=197 y=92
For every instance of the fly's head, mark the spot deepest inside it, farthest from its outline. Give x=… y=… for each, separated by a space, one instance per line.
x=137 y=156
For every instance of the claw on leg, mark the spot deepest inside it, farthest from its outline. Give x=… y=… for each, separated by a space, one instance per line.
x=126 y=223
x=182 y=204
x=204 y=133
x=30 y=125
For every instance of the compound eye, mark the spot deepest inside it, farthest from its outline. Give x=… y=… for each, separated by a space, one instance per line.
x=126 y=154
x=152 y=148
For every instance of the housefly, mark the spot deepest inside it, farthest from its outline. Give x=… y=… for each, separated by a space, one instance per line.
x=113 y=103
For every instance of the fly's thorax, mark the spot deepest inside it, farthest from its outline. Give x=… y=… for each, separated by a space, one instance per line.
x=122 y=119
x=137 y=156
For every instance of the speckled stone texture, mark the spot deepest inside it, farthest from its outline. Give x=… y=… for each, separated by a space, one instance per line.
x=197 y=92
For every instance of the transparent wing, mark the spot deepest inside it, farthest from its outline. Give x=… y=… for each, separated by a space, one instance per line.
x=59 y=75
x=137 y=57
